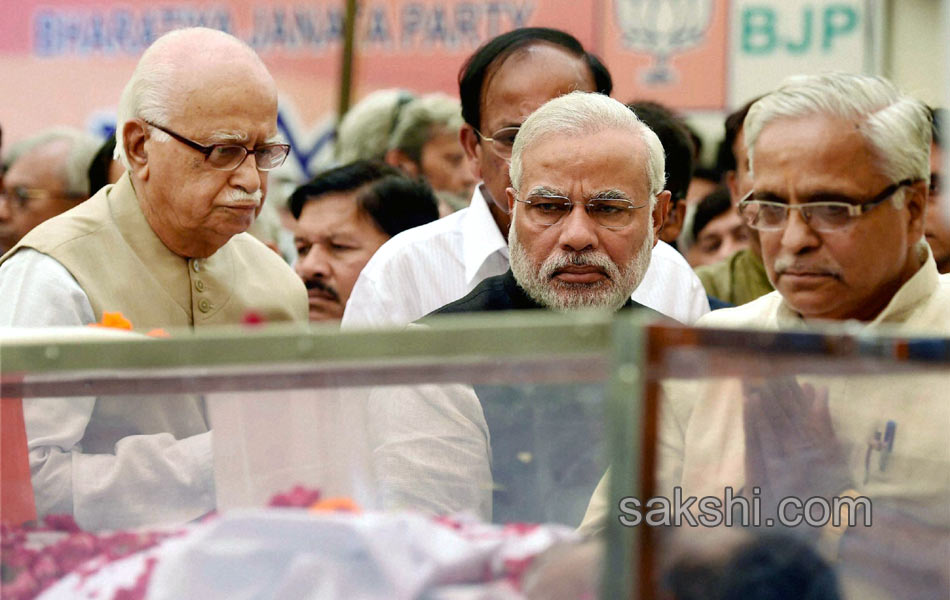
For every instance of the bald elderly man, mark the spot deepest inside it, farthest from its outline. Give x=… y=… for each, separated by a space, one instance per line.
x=47 y=176
x=166 y=247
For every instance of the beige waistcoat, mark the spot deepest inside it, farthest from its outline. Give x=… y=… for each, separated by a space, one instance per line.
x=121 y=265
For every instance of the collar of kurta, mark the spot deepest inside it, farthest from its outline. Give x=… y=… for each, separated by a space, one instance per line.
x=481 y=238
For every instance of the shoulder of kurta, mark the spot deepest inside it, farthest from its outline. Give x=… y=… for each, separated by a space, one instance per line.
x=71 y=226
x=757 y=313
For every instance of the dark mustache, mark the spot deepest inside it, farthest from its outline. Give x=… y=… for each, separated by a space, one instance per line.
x=316 y=284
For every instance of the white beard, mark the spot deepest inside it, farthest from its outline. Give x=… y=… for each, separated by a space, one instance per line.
x=610 y=293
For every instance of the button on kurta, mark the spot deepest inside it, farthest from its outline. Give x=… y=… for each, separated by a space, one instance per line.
x=196 y=265
x=199 y=285
x=204 y=305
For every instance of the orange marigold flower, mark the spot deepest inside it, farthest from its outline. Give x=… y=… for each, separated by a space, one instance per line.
x=335 y=505
x=113 y=320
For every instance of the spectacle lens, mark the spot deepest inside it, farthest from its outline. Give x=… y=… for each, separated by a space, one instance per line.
x=549 y=210
x=501 y=141
x=768 y=215
x=227 y=158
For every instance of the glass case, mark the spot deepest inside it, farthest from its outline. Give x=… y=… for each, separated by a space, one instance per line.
x=812 y=463
x=695 y=460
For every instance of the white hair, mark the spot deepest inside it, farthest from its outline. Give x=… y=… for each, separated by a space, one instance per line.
x=75 y=170
x=421 y=119
x=150 y=93
x=896 y=127
x=611 y=293
x=364 y=132
x=585 y=113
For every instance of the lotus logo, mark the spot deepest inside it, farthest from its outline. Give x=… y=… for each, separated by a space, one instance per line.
x=662 y=28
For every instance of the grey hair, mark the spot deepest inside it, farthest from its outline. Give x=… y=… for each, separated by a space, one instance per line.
x=149 y=94
x=420 y=121
x=82 y=148
x=364 y=131
x=896 y=127
x=584 y=113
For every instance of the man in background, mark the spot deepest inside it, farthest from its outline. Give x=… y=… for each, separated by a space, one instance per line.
x=343 y=216
x=425 y=143
x=679 y=149
x=47 y=176
x=718 y=231
x=740 y=277
x=937 y=227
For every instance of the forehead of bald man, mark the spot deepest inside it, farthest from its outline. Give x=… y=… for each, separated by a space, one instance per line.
x=194 y=55
x=42 y=166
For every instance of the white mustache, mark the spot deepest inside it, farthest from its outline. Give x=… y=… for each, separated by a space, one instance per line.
x=561 y=260
x=787 y=263
x=243 y=198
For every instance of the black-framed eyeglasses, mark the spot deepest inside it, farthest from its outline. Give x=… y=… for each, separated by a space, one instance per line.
x=769 y=215
x=501 y=141
x=228 y=157
x=548 y=209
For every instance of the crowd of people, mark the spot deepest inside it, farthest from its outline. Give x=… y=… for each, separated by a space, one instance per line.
x=535 y=191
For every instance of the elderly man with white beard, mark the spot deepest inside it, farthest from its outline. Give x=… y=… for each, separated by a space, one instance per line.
x=587 y=201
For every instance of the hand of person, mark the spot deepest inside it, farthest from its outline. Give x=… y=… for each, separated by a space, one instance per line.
x=791 y=447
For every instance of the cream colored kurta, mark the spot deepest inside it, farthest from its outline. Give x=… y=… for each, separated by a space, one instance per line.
x=122 y=462
x=702 y=440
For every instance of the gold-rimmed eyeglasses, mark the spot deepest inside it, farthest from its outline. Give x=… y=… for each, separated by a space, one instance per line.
x=502 y=141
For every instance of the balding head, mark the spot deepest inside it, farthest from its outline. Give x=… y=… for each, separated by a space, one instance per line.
x=47 y=176
x=198 y=132
x=176 y=66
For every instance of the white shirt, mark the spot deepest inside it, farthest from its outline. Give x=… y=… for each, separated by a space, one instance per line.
x=148 y=479
x=425 y=268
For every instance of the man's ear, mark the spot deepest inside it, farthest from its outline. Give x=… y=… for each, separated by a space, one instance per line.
x=133 y=137
x=400 y=160
x=512 y=194
x=674 y=221
x=732 y=182
x=915 y=199
x=473 y=149
x=660 y=210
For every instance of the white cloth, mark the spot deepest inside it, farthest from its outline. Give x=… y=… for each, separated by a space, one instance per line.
x=38 y=291
x=294 y=553
x=427 y=267
x=431 y=449
x=147 y=479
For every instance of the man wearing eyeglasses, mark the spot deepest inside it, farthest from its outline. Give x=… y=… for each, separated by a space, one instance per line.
x=587 y=201
x=46 y=177
x=165 y=246
x=579 y=151
x=502 y=83
x=839 y=167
